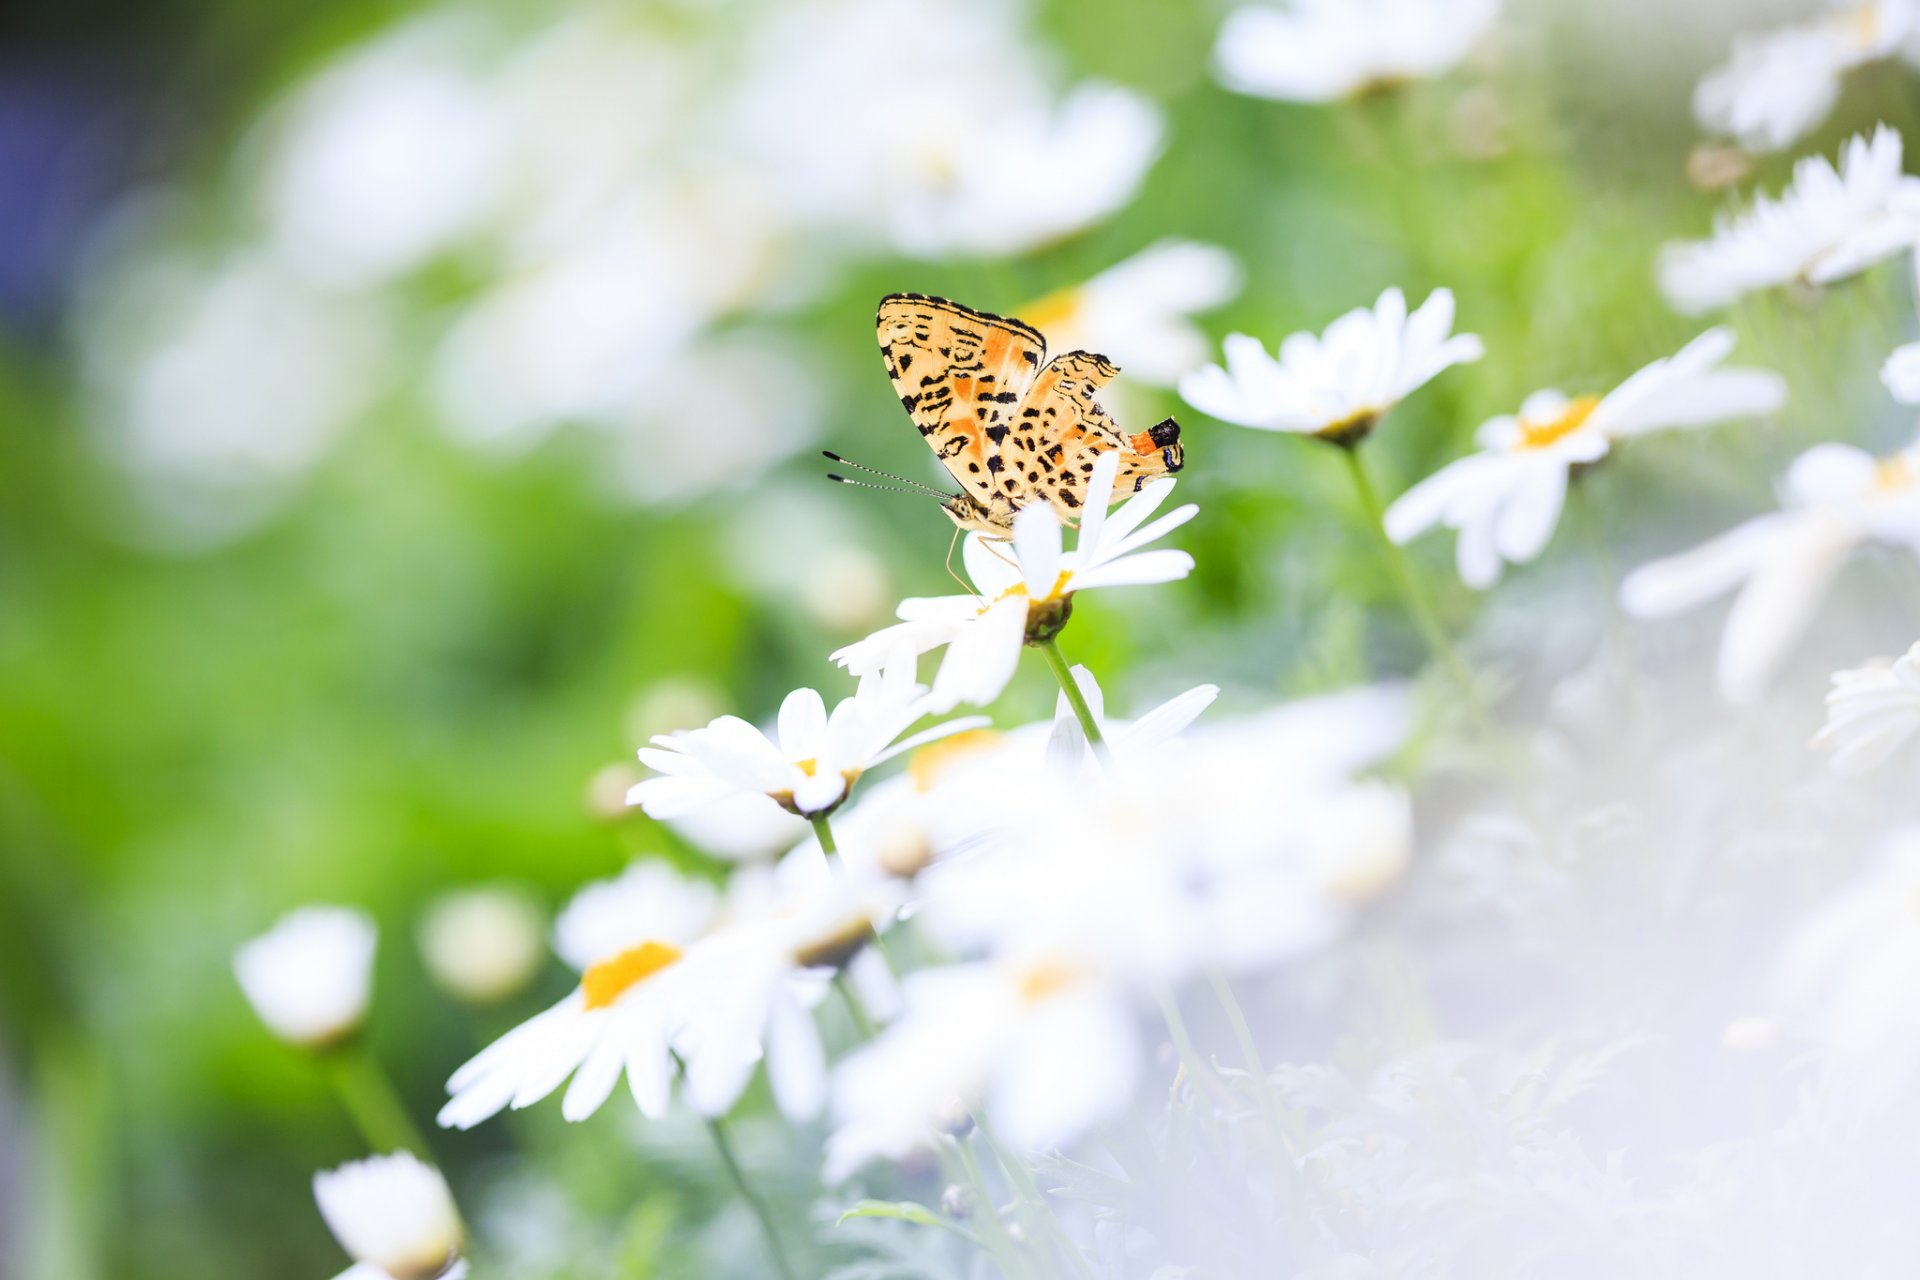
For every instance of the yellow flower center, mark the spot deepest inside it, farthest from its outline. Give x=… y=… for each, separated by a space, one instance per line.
x=1046 y=980
x=1862 y=23
x=1894 y=474
x=607 y=981
x=807 y=766
x=1538 y=435
x=1055 y=312
x=931 y=762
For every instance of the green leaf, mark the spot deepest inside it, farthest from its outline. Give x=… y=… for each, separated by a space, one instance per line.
x=907 y=1211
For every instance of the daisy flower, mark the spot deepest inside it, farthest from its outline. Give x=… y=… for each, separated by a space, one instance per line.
x=1322 y=50
x=1336 y=386
x=1828 y=225
x=311 y=975
x=810 y=763
x=1506 y=499
x=1138 y=312
x=1028 y=596
x=1067 y=746
x=649 y=900
x=482 y=945
x=1836 y=498
x=394 y=1216
x=1779 y=85
x=1871 y=712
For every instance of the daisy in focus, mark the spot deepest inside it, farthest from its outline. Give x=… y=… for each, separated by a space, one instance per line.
x=394 y=1216
x=1339 y=385
x=1324 y=50
x=1506 y=500
x=1779 y=85
x=810 y=763
x=1831 y=223
x=311 y=975
x=1139 y=311
x=1028 y=597
x=1871 y=712
x=1836 y=499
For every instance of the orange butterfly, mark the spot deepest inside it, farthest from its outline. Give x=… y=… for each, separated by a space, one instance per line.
x=1011 y=426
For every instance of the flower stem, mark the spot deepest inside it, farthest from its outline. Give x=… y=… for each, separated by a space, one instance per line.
x=1418 y=606
x=1063 y=672
x=823 y=831
x=372 y=1101
x=724 y=1146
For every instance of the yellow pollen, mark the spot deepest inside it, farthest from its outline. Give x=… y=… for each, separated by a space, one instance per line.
x=807 y=766
x=1057 y=311
x=1894 y=473
x=1538 y=435
x=611 y=979
x=1044 y=980
x=932 y=761
x=1060 y=584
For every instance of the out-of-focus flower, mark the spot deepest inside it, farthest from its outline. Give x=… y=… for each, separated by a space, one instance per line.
x=1830 y=224
x=1779 y=85
x=648 y=901
x=1847 y=976
x=1359 y=839
x=1048 y=1049
x=1137 y=312
x=1901 y=373
x=1335 y=386
x=811 y=766
x=482 y=945
x=1013 y=180
x=1871 y=712
x=1506 y=499
x=394 y=1216
x=311 y=975
x=388 y=156
x=1027 y=595
x=1067 y=746
x=1836 y=498
x=1321 y=50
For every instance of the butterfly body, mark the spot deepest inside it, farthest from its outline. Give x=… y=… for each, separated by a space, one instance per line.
x=1012 y=427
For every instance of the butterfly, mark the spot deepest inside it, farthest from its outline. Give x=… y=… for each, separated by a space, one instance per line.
x=1010 y=426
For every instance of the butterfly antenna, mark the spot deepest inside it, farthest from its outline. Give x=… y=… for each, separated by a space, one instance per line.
x=831 y=456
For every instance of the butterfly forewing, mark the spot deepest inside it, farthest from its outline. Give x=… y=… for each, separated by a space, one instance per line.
x=1062 y=429
x=960 y=375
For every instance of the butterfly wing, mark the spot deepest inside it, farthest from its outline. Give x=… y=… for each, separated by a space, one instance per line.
x=1060 y=431
x=960 y=375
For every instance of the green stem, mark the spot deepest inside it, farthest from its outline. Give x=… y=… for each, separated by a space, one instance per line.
x=370 y=1098
x=724 y=1146
x=993 y=1229
x=1177 y=1028
x=1063 y=672
x=823 y=831
x=1040 y=1213
x=861 y=1022
x=1418 y=606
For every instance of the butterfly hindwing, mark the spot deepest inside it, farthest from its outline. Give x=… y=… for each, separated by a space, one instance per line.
x=1061 y=430
x=960 y=375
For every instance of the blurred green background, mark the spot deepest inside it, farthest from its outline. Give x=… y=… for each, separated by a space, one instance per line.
x=405 y=678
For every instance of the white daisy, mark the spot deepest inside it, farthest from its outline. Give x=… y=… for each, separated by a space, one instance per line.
x=1871 y=712
x=1506 y=499
x=311 y=975
x=1321 y=50
x=1836 y=498
x=1067 y=746
x=1830 y=224
x=1779 y=85
x=649 y=900
x=1336 y=386
x=393 y=1214
x=1138 y=312
x=809 y=766
x=1027 y=595
x=482 y=945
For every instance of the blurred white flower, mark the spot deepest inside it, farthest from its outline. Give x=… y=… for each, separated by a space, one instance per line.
x=1339 y=385
x=1830 y=224
x=1871 y=712
x=1321 y=50
x=1506 y=499
x=811 y=764
x=1779 y=85
x=983 y=633
x=1047 y=1049
x=482 y=945
x=1067 y=746
x=1847 y=976
x=387 y=156
x=1836 y=497
x=1137 y=313
x=1901 y=373
x=1016 y=178
x=394 y=1214
x=311 y=975
x=1358 y=839
x=650 y=900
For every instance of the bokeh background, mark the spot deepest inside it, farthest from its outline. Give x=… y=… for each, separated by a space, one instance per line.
x=406 y=409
